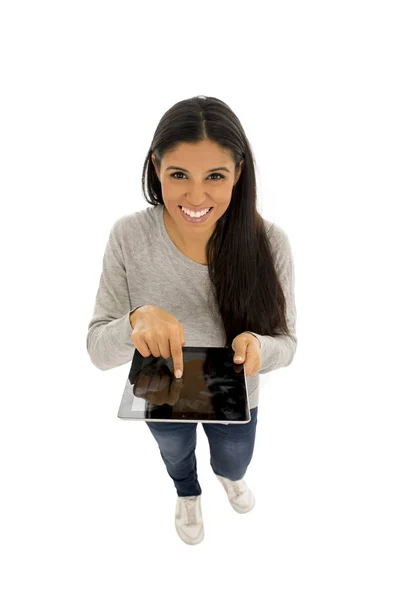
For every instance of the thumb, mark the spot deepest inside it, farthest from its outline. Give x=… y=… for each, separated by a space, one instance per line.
x=239 y=347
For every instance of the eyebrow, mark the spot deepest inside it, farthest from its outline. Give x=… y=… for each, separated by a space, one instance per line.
x=185 y=170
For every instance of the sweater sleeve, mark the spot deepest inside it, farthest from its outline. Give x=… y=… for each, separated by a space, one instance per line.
x=279 y=350
x=108 y=341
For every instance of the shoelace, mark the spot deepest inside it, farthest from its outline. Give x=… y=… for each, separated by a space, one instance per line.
x=189 y=504
x=238 y=489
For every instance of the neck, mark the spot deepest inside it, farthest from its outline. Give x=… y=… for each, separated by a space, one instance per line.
x=194 y=247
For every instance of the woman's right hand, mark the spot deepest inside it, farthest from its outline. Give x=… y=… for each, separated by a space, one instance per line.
x=158 y=333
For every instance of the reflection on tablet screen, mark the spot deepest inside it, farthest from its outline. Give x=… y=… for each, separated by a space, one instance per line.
x=213 y=388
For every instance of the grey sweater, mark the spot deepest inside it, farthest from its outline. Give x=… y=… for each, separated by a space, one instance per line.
x=141 y=265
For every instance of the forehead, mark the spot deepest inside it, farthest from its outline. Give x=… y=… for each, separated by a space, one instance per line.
x=203 y=153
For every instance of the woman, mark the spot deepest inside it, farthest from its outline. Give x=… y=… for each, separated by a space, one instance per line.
x=199 y=265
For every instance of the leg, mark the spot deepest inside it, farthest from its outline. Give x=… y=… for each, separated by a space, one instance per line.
x=177 y=442
x=231 y=446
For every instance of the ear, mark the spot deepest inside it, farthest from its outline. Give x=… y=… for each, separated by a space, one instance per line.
x=239 y=171
x=155 y=164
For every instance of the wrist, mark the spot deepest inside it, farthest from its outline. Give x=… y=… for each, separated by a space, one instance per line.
x=133 y=316
x=253 y=335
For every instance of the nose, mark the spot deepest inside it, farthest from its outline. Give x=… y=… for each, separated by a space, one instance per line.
x=196 y=197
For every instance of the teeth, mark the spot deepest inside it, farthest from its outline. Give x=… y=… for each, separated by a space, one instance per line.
x=193 y=214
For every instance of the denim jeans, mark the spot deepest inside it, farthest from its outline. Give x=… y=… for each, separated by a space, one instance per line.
x=231 y=449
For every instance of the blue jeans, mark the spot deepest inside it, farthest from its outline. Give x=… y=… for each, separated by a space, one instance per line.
x=231 y=448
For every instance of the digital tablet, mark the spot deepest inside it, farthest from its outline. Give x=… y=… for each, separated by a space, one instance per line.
x=213 y=389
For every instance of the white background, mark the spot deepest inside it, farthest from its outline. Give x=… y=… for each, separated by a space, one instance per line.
x=87 y=507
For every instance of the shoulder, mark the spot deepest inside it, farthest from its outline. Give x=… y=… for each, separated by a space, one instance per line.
x=280 y=248
x=277 y=236
x=135 y=226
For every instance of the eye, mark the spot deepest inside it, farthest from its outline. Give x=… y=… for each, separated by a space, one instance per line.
x=181 y=173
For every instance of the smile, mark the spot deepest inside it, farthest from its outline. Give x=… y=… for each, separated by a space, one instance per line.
x=195 y=217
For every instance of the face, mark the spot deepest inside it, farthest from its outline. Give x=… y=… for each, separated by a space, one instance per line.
x=196 y=176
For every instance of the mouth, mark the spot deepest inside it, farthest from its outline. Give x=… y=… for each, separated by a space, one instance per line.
x=189 y=219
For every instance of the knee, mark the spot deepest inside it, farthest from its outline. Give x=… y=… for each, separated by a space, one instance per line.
x=175 y=450
x=229 y=469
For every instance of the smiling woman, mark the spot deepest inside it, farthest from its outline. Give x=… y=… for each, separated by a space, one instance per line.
x=233 y=287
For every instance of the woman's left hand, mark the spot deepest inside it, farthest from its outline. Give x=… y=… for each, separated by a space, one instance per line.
x=247 y=346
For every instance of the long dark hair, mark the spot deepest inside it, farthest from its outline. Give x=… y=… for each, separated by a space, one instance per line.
x=243 y=277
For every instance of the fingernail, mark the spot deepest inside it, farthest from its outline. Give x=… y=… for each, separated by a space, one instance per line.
x=178 y=373
x=238 y=358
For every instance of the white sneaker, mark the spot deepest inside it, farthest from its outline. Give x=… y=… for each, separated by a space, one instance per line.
x=188 y=519
x=240 y=496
